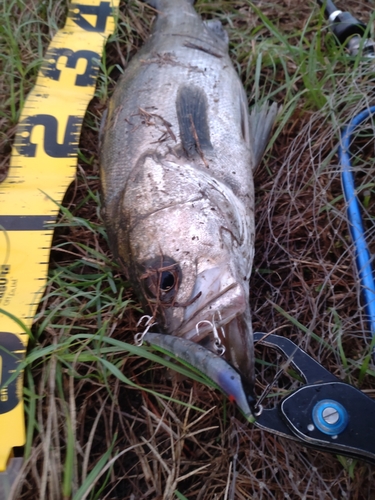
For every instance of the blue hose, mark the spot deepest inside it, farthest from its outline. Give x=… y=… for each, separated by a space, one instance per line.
x=362 y=253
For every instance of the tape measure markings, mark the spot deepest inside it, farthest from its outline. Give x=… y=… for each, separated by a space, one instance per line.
x=25 y=222
x=43 y=165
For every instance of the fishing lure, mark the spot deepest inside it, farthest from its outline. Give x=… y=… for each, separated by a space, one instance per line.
x=223 y=375
x=324 y=413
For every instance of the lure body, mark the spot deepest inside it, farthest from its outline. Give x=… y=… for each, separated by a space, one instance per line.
x=210 y=364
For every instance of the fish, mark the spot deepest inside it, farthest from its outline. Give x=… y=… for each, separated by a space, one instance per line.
x=177 y=150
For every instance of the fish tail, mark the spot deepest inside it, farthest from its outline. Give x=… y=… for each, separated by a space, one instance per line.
x=261 y=120
x=173 y=14
x=163 y=4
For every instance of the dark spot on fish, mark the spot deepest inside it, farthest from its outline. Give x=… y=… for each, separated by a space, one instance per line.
x=212 y=208
x=234 y=173
x=244 y=278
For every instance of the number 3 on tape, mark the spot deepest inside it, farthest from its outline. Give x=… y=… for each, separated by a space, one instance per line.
x=42 y=166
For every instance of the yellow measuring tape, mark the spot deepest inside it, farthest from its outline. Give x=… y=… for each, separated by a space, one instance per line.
x=42 y=166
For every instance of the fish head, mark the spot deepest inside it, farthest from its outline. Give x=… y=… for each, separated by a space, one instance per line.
x=188 y=249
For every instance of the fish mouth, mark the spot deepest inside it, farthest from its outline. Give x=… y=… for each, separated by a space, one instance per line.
x=219 y=319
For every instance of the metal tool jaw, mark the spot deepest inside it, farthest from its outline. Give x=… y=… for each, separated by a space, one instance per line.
x=325 y=413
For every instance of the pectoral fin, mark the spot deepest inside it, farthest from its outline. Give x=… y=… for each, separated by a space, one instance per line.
x=191 y=107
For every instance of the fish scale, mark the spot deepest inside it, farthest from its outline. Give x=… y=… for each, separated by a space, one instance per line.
x=177 y=152
x=160 y=68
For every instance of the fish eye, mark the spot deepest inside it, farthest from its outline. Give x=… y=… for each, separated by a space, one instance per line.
x=167 y=281
x=160 y=279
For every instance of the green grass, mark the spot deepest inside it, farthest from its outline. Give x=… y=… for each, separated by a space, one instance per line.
x=105 y=418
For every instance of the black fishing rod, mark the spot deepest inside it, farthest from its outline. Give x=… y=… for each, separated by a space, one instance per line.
x=351 y=33
x=347 y=29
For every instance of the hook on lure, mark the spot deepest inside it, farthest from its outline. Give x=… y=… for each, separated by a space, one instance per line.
x=218 y=346
x=138 y=337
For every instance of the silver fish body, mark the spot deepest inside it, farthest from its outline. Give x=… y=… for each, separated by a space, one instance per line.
x=177 y=150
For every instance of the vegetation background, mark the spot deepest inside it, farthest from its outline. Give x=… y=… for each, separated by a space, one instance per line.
x=104 y=422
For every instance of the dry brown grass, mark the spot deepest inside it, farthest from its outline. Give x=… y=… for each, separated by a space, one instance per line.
x=303 y=264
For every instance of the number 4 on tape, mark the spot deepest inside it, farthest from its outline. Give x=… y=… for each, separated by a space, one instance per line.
x=42 y=166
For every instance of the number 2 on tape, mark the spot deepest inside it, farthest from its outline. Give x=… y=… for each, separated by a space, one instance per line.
x=42 y=166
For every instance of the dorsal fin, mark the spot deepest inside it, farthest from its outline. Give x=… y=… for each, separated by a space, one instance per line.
x=261 y=120
x=191 y=106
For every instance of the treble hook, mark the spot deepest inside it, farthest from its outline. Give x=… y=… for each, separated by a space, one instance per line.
x=218 y=346
x=138 y=337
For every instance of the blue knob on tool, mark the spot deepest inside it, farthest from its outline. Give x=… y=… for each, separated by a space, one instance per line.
x=330 y=417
